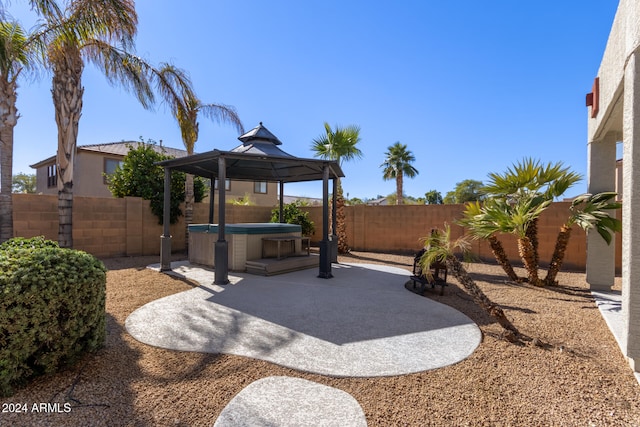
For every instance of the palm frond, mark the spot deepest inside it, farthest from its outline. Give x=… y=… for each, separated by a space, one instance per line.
x=122 y=69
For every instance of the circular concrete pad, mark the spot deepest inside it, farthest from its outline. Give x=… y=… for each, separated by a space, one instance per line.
x=285 y=401
x=361 y=323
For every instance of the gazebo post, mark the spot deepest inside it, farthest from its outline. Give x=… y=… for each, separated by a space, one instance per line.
x=221 y=267
x=281 y=201
x=165 y=239
x=325 y=252
x=212 y=196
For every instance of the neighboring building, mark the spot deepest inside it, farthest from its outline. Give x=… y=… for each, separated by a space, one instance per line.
x=310 y=201
x=382 y=201
x=95 y=161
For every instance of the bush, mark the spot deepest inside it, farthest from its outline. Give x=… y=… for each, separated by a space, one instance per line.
x=292 y=214
x=139 y=176
x=52 y=308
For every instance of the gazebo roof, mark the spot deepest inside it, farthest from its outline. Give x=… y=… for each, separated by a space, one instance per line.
x=258 y=158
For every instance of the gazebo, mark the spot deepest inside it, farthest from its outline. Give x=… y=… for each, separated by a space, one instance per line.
x=258 y=158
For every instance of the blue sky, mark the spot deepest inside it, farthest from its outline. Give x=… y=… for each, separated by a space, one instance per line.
x=471 y=87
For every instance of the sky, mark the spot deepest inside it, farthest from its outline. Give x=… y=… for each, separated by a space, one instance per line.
x=471 y=87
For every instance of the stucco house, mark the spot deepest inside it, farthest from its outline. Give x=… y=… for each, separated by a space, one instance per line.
x=95 y=160
x=614 y=116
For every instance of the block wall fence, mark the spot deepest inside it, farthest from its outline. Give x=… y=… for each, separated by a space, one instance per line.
x=110 y=227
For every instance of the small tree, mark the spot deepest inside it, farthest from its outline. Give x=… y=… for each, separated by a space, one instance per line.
x=433 y=197
x=292 y=214
x=24 y=183
x=140 y=176
x=465 y=191
x=439 y=248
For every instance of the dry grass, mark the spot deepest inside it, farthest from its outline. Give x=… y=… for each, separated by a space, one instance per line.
x=579 y=379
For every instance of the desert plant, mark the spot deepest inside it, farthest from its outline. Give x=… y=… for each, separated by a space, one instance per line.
x=440 y=248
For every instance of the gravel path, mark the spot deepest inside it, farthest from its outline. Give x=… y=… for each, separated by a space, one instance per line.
x=579 y=378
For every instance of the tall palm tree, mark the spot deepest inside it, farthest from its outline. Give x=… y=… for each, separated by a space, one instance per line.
x=177 y=91
x=14 y=58
x=102 y=33
x=397 y=164
x=440 y=248
x=588 y=211
x=339 y=145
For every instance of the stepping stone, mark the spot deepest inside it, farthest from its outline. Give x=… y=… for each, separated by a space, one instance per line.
x=286 y=401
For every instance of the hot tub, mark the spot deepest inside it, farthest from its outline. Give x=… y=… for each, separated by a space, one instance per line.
x=244 y=240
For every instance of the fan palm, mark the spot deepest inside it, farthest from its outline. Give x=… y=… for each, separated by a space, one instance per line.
x=482 y=226
x=339 y=145
x=440 y=248
x=530 y=177
x=99 y=32
x=177 y=91
x=588 y=211
x=14 y=58
x=397 y=165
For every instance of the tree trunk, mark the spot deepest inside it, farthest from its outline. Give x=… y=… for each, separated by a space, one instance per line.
x=67 y=94
x=501 y=257
x=457 y=269
x=8 y=120
x=525 y=248
x=341 y=232
x=532 y=234
x=399 y=189
x=562 y=241
x=188 y=207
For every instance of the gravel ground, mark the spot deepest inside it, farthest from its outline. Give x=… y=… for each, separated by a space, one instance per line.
x=579 y=378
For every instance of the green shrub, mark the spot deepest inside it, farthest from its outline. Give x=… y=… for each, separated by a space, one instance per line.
x=52 y=308
x=292 y=214
x=140 y=176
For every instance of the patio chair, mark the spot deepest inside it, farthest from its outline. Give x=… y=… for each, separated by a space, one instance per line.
x=437 y=277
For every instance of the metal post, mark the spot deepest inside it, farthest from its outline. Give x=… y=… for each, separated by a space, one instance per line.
x=212 y=197
x=281 y=202
x=325 y=258
x=221 y=248
x=165 y=239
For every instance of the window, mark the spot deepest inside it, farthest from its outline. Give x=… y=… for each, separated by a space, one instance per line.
x=227 y=185
x=52 y=176
x=110 y=166
x=260 y=187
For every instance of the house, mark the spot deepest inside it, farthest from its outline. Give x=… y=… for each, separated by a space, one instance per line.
x=614 y=116
x=95 y=161
x=382 y=201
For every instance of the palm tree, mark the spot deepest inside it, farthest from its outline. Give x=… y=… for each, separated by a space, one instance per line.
x=530 y=178
x=177 y=91
x=339 y=145
x=439 y=248
x=588 y=211
x=516 y=217
x=100 y=32
x=14 y=58
x=396 y=165
x=482 y=226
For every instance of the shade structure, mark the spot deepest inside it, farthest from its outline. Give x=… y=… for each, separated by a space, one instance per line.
x=258 y=158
